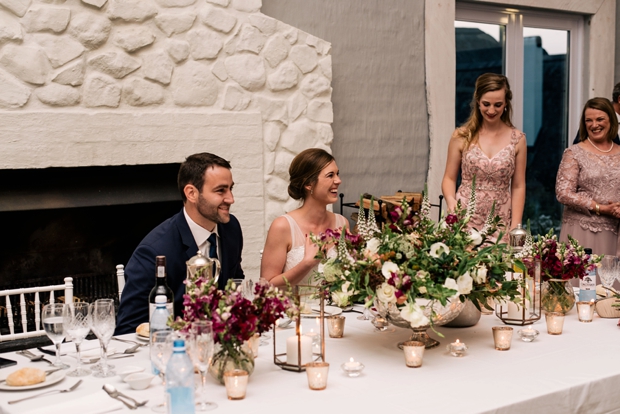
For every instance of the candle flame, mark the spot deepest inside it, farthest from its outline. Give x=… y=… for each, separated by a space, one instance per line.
x=457 y=341
x=352 y=360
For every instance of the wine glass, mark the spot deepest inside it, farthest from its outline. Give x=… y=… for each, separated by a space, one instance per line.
x=76 y=320
x=53 y=325
x=103 y=323
x=201 y=352
x=607 y=272
x=161 y=350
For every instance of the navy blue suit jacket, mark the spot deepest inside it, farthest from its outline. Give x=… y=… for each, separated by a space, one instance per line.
x=172 y=239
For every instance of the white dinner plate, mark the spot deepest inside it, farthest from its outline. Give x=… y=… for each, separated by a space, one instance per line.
x=142 y=338
x=51 y=379
x=329 y=311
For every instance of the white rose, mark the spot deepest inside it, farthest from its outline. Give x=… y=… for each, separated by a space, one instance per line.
x=423 y=290
x=476 y=238
x=340 y=298
x=414 y=315
x=372 y=246
x=389 y=268
x=386 y=293
x=438 y=248
x=345 y=287
x=451 y=284
x=464 y=283
x=480 y=275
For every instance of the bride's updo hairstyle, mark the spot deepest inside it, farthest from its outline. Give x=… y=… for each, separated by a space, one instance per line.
x=305 y=169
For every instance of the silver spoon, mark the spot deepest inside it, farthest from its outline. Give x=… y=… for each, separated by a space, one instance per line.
x=127 y=341
x=114 y=393
x=34 y=358
x=73 y=387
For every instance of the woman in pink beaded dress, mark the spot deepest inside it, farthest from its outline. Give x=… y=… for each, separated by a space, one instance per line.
x=588 y=181
x=489 y=148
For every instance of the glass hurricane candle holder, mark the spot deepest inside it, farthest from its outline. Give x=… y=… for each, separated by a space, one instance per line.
x=502 y=336
x=236 y=382
x=335 y=326
x=555 y=322
x=585 y=311
x=457 y=348
x=317 y=375
x=414 y=353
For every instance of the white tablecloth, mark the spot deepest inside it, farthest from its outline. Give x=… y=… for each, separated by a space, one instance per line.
x=576 y=372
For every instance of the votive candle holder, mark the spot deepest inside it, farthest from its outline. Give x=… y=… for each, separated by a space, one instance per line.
x=414 y=353
x=457 y=348
x=502 y=336
x=585 y=311
x=335 y=326
x=317 y=375
x=555 y=322
x=236 y=382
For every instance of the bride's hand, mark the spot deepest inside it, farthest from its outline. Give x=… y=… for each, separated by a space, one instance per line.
x=310 y=250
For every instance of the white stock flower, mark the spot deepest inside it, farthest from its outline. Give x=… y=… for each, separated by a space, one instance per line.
x=423 y=290
x=475 y=237
x=464 y=283
x=480 y=274
x=438 y=248
x=386 y=293
x=388 y=268
x=414 y=315
x=372 y=246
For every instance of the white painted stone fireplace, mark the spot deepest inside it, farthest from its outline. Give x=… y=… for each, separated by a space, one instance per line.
x=132 y=82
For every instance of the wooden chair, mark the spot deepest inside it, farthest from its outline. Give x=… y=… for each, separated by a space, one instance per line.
x=67 y=289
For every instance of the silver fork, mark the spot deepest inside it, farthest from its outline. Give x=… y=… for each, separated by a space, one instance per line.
x=73 y=387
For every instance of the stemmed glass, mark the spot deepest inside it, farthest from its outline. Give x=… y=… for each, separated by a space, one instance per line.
x=161 y=350
x=201 y=352
x=53 y=325
x=607 y=272
x=76 y=320
x=103 y=323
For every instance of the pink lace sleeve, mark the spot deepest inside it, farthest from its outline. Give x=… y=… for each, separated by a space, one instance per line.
x=567 y=184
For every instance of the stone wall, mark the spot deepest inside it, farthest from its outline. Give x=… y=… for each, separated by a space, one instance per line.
x=134 y=69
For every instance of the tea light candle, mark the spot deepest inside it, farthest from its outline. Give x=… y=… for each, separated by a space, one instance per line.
x=414 y=352
x=585 y=310
x=352 y=363
x=457 y=348
x=317 y=375
x=528 y=334
x=292 y=347
x=352 y=368
x=236 y=382
x=555 y=322
x=502 y=336
x=314 y=336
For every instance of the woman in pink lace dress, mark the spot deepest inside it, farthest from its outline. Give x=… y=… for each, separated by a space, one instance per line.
x=488 y=147
x=588 y=181
x=289 y=253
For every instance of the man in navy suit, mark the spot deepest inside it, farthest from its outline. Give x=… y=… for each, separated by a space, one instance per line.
x=205 y=182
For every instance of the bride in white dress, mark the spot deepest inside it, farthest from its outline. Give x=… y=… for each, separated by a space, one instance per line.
x=288 y=251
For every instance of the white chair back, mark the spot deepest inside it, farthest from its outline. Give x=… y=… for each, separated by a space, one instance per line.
x=67 y=287
x=120 y=276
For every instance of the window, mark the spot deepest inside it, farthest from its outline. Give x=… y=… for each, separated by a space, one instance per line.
x=540 y=54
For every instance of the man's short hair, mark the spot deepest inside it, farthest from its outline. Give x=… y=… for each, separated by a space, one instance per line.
x=616 y=93
x=192 y=170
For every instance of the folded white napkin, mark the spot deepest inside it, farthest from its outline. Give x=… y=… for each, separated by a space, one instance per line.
x=97 y=403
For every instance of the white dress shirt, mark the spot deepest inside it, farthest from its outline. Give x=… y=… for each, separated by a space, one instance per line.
x=201 y=235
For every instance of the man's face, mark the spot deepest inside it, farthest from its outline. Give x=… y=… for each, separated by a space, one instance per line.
x=216 y=197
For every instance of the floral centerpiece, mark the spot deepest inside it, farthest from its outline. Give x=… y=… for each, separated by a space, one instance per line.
x=235 y=318
x=413 y=268
x=560 y=263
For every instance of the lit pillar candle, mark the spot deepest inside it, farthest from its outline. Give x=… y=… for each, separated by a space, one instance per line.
x=291 y=350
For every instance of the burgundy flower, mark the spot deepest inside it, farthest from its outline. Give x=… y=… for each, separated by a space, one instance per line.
x=451 y=219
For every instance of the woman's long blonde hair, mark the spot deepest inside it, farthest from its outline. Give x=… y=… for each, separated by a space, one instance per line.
x=488 y=82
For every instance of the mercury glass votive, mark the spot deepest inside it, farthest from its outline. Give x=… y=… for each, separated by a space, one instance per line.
x=317 y=375
x=528 y=334
x=236 y=382
x=414 y=353
x=585 y=311
x=335 y=326
x=502 y=336
x=555 y=322
x=457 y=348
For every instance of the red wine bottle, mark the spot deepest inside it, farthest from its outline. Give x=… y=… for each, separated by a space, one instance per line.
x=161 y=287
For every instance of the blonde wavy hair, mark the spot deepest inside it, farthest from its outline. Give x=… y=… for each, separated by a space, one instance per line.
x=488 y=82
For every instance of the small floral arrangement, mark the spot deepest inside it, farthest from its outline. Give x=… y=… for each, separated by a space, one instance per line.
x=414 y=260
x=559 y=260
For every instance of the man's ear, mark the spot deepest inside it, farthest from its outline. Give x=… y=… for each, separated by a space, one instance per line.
x=191 y=193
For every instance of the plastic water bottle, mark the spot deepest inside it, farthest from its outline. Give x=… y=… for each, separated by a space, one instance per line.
x=180 y=381
x=158 y=322
x=587 y=285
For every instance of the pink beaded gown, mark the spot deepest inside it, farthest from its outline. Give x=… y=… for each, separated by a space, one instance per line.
x=493 y=183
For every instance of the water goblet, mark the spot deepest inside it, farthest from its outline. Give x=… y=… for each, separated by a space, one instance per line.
x=76 y=321
x=53 y=325
x=161 y=350
x=201 y=352
x=607 y=272
x=103 y=323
